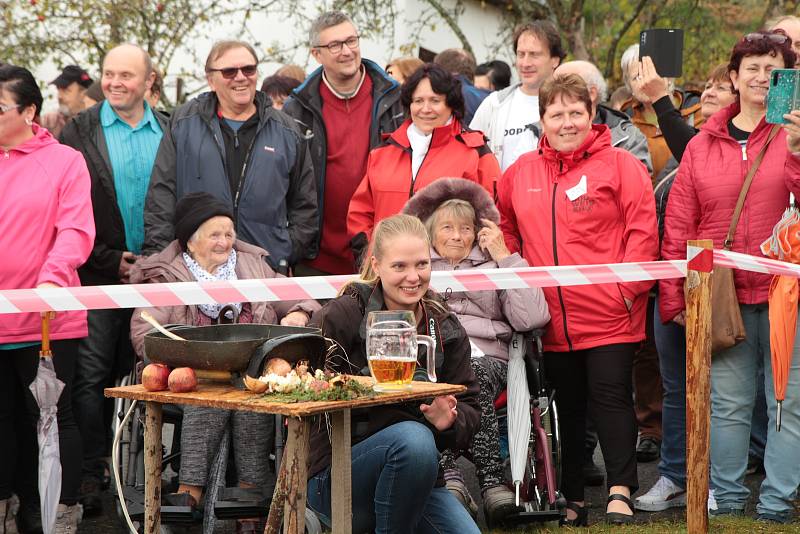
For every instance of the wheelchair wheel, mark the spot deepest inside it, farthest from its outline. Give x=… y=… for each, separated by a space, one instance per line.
x=543 y=471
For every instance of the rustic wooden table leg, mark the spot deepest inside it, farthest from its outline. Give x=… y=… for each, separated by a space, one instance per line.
x=275 y=517
x=295 y=458
x=152 y=468
x=342 y=496
x=698 y=386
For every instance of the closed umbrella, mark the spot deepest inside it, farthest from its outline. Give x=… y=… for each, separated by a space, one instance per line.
x=784 y=245
x=46 y=389
x=519 y=412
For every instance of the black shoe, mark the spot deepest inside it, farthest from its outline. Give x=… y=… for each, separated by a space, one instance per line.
x=29 y=517
x=592 y=474
x=618 y=518
x=648 y=450
x=581 y=517
x=91 y=497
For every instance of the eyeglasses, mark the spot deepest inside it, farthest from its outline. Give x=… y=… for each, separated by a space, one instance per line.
x=230 y=73
x=5 y=109
x=775 y=38
x=335 y=47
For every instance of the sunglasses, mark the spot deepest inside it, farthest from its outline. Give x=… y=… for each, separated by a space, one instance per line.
x=230 y=73
x=776 y=38
x=5 y=109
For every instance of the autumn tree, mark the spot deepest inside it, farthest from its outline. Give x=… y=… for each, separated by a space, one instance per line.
x=82 y=32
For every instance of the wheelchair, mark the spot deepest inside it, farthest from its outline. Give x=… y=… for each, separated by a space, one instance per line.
x=539 y=495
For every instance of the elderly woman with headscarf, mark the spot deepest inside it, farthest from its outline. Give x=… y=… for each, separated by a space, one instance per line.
x=462 y=222
x=206 y=250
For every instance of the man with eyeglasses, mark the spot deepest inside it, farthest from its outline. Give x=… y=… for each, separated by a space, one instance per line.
x=507 y=117
x=119 y=138
x=230 y=142
x=343 y=108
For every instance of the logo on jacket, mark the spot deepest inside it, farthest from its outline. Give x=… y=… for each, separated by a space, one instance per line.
x=269 y=148
x=583 y=204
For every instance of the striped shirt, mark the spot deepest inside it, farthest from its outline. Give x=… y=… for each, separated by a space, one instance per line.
x=132 y=152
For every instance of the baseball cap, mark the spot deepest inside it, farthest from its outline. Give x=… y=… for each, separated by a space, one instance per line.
x=70 y=74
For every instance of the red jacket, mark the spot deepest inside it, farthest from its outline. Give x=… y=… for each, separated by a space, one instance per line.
x=703 y=197
x=614 y=221
x=453 y=153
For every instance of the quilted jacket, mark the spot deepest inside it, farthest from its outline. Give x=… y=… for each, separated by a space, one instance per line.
x=704 y=194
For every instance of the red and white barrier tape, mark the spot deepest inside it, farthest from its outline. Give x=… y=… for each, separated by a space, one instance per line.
x=326 y=287
x=320 y=287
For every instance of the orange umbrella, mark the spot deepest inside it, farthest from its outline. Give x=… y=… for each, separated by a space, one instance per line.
x=783 y=293
x=784 y=244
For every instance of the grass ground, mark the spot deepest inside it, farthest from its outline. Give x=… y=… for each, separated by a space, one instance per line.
x=716 y=525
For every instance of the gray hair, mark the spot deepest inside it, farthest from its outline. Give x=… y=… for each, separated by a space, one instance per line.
x=592 y=76
x=326 y=20
x=629 y=56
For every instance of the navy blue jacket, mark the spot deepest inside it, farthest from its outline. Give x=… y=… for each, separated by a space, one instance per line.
x=276 y=208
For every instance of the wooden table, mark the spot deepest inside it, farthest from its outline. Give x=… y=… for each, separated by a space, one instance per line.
x=289 y=499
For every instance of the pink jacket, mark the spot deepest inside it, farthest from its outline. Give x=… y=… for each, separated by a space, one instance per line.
x=703 y=197
x=490 y=317
x=46 y=229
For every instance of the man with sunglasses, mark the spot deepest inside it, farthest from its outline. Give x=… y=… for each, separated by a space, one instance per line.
x=230 y=142
x=119 y=138
x=343 y=108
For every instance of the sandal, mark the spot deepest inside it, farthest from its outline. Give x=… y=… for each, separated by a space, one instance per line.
x=618 y=518
x=581 y=518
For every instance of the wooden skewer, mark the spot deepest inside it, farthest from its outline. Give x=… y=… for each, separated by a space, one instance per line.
x=150 y=319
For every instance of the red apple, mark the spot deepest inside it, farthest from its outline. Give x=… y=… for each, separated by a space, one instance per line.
x=182 y=380
x=155 y=377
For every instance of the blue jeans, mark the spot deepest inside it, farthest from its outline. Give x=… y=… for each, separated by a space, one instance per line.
x=734 y=376
x=393 y=474
x=670 y=342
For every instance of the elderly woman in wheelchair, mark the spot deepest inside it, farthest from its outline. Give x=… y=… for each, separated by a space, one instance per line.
x=462 y=222
x=206 y=249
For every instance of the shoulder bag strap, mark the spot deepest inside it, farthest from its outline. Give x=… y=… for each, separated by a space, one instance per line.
x=737 y=212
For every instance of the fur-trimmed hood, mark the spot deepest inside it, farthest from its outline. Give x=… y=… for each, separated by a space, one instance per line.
x=426 y=200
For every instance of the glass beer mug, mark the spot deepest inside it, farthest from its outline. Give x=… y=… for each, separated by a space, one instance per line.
x=392 y=343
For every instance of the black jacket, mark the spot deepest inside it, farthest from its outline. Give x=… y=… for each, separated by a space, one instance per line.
x=85 y=133
x=305 y=106
x=276 y=204
x=338 y=320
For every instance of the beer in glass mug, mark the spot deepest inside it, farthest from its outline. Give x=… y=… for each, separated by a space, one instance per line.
x=392 y=343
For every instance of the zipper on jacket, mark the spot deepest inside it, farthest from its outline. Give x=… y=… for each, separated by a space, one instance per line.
x=414 y=177
x=236 y=139
x=555 y=256
x=241 y=178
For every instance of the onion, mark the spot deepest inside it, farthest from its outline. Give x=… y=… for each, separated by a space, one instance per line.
x=277 y=366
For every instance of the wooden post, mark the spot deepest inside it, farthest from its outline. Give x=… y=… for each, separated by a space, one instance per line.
x=275 y=517
x=152 y=468
x=295 y=458
x=698 y=382
x=342 y=497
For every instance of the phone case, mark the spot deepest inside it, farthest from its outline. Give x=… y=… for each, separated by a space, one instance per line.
x=783 y=95
x=665 y=47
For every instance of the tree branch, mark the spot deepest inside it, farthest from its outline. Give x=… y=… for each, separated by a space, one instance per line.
x=612 y=49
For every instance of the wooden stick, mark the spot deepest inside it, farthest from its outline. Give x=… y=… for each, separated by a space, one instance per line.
x=698 y=387
x=152 y=468
x=342 y=497
x=295 y=457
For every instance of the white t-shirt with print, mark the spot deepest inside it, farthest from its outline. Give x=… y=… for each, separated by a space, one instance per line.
x=517 y=139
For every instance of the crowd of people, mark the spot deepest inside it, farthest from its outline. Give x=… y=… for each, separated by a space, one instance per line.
x=393 y=173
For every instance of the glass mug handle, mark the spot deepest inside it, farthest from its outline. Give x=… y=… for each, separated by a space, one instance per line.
x=430 y=346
